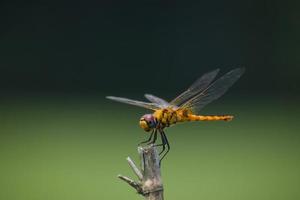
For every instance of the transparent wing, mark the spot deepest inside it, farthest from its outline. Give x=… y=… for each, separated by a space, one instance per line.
x=199 y=85
x=151 y=106
x=213 y=91
x=154 y=99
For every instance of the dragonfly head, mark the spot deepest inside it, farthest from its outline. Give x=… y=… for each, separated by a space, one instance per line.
x=148 y=122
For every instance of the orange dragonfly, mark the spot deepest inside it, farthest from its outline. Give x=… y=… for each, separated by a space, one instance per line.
x=185 y=107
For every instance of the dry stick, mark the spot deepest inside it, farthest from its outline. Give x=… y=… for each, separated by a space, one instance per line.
x=150 y=183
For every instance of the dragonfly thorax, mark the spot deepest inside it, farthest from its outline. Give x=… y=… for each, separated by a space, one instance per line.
x=148 y=122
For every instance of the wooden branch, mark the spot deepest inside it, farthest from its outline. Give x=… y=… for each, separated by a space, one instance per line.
x=150 y=183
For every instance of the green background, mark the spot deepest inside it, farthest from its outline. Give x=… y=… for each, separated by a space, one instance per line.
x=61 y=139
x=75 y=150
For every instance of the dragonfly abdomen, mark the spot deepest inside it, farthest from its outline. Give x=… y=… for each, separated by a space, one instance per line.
x=192 y=117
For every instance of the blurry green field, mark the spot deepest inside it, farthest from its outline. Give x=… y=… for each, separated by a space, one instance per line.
x=71 y=150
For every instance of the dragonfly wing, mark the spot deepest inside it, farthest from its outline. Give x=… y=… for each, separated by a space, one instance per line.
x=199 y=85
x=213 y=91
x=151 y=106
x=154 y=99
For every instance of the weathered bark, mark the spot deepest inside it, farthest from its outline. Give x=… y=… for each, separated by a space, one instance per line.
x=150 y=183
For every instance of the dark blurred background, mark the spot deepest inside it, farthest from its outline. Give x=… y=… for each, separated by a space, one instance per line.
x=60 y=139
x=74 y=47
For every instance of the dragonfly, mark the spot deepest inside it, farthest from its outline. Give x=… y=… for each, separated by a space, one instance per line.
x=184 y=108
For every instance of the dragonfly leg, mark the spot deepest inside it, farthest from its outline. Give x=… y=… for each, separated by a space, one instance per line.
x=154 y=137
x=163 y=143
x=151 y=135
x=167 y=143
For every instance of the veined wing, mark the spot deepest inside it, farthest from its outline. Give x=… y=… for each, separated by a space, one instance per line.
x=199 y=85
x=151 y=106
x=154 y=99
x=213 y=91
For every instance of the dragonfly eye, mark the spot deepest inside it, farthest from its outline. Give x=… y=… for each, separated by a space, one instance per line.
x=151 y=123
x=147 y=122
